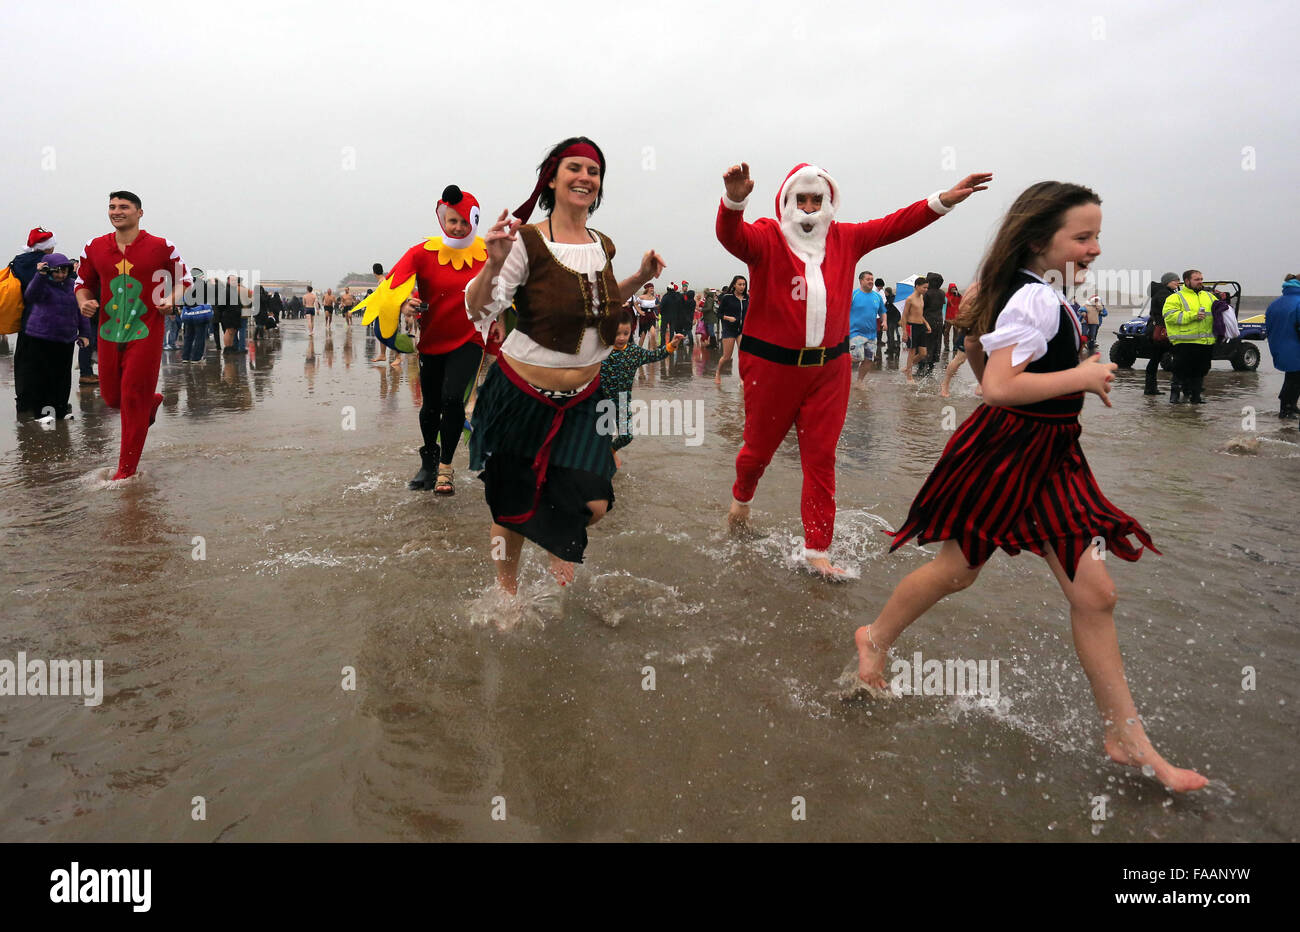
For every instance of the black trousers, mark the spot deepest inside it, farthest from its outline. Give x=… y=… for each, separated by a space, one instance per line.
x=1290 y=393
x=1191 y=363
x=1153 y=364
x=46 y=376
x=893 y=336
x=443 y=380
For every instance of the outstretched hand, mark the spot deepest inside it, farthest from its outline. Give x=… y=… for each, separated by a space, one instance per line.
x=965 y=188
x=652 y=266
x=738 y=183
x=1097 y=376
x=501 y=237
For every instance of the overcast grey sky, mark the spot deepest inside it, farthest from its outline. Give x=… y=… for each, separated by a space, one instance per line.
x=232 y=122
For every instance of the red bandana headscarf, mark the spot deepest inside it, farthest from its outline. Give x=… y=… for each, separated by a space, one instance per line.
x=549 y=167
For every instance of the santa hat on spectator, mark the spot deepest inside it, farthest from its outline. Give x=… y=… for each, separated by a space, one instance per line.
x=464 y=204
x=40 y=240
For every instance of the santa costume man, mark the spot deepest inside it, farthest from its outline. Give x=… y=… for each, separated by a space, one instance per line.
x=793 y=360
x=450 y=347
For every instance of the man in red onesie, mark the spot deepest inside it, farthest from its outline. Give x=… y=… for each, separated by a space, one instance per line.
x=135 y=278
x=793 y=358
x=450 y=347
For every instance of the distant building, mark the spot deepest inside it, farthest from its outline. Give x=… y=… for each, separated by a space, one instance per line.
x=287 y=287
x=360 y=283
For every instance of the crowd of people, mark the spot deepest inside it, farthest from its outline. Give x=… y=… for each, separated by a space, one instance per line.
x=541 y=301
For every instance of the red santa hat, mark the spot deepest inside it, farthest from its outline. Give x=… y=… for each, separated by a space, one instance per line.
x=466 y=205
x=40 y=240
x=804 y=177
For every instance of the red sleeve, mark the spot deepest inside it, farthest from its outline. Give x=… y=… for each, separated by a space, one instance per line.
x=873 y=234
x=406 y=267
x=737 y=236
x=87 y=274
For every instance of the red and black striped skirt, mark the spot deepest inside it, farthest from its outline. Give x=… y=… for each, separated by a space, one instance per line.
x=1018 y=481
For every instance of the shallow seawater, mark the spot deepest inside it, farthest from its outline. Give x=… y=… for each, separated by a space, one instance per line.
x=270 y=546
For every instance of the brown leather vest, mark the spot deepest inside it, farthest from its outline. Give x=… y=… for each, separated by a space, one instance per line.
x=554 y=306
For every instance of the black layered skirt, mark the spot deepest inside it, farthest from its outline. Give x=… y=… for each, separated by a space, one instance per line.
x=1017 y=480
x=541 y=459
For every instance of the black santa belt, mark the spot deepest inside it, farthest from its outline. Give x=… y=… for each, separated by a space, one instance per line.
x=808 y=356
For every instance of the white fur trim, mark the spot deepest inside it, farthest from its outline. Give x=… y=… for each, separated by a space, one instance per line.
x=937 y=205
x=739 y=502
x=815 y=320
x=816 y=554
x=733 y=205
x=810 y=247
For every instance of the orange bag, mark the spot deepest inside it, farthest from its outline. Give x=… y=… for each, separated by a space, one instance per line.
x=11 y=301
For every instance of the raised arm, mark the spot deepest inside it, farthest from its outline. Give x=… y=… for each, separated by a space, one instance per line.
x=916 y=216
x=735 y=235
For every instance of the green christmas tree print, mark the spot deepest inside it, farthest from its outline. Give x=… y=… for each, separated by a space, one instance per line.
x=124 y=315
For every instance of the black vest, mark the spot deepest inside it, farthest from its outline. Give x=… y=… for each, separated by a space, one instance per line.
x=1062 y=353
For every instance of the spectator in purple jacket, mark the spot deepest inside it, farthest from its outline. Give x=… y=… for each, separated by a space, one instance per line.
x=54 y=325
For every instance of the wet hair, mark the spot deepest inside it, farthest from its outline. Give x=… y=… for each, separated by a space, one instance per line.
x=547 y=197
x=126 y=196
x=309 y=287
x=920 y=280
x=1030 y=223
x=1190 y=272
x=739 y=278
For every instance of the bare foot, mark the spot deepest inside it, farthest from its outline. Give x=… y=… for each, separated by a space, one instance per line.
x=508 y=584
x=738 y=518
x=396 y=363
x=618 y=460
x=910 y=380
x=717 y=380
x=379 y=360
x=979 y=390
x=562 y=570
x=943 y=391
x=871 y=662
x=823 y=566
x=1137 y=751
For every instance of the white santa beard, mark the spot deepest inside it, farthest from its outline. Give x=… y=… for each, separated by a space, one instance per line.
x=811 y=248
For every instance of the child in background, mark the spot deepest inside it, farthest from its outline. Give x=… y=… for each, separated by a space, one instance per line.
x=617 y=372
x=54 y=326
x=1013 y=475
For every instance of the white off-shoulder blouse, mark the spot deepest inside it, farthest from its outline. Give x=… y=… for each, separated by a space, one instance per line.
x=584 y=258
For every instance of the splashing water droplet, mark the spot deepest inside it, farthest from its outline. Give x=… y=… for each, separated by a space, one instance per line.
x=1148 y=771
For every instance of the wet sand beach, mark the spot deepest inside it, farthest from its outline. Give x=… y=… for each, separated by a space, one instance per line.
x=286 y=471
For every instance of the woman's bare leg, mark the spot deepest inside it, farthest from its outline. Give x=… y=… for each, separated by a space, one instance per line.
x=506 y=547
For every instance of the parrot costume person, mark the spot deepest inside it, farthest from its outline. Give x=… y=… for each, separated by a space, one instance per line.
x=450 y=346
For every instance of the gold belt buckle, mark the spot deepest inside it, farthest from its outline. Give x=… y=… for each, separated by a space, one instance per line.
x=812 y=349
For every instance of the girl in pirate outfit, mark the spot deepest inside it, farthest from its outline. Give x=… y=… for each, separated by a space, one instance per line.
x=546 y=468
x=1013 y=475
